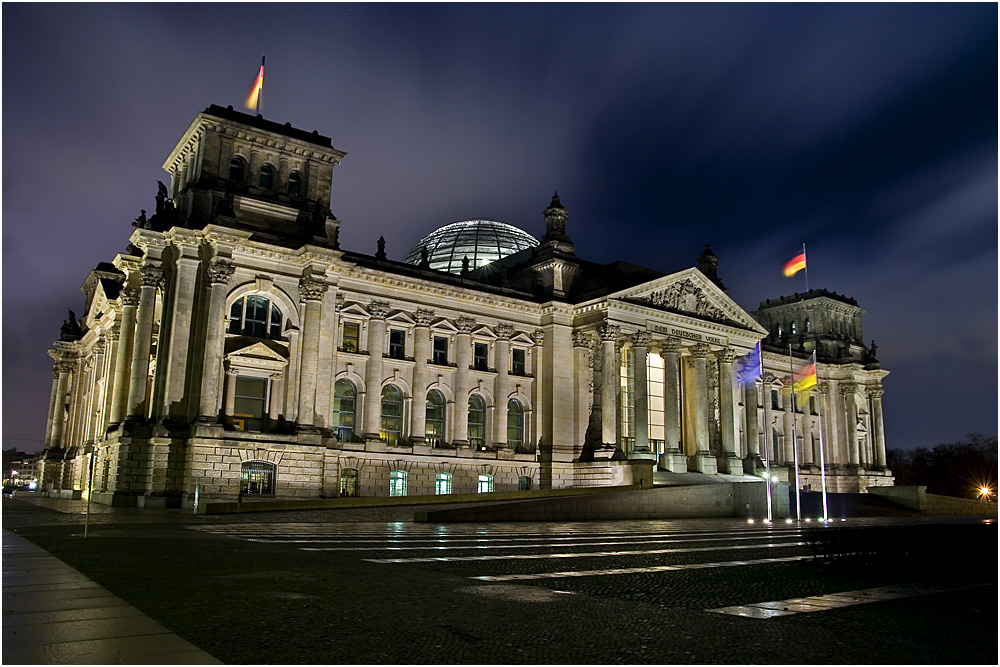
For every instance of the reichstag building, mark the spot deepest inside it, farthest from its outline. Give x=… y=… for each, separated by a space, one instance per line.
x=236 y=346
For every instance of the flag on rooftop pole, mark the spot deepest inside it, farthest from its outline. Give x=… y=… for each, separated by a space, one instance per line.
x=253 y=101
x=796 y=264
x=748 y=367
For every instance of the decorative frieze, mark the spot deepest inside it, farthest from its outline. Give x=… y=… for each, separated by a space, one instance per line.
x=686 y=297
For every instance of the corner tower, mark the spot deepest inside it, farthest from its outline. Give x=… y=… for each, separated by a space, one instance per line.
x=241 y=171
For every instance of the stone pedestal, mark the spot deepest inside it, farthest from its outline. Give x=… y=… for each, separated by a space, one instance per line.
x=673 y=461
x=703 y=462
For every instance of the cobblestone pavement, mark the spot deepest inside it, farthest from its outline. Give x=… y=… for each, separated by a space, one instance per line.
x=368 y=586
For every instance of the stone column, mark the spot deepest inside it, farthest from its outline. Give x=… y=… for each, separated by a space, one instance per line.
x=181 y=319
x=52 y=406
x=878 y=428
x=640 y=350
x=701 y=460
x=311 y=293
x=110 y=357
x=274 y=397
x=421 y=355
x=463 y=359
x=63 y=368
x=502 y=387
x=767 y=379
x=219 y=272
x=95 y=409
x=583 y=373
x=151 y=276
x=674 y=459
x=378 y=310
x=729 y=461
x=538 y=370
x=752 y=465
x=609 y=384
x=229 y=405
x=129 y=298
x=847 y=391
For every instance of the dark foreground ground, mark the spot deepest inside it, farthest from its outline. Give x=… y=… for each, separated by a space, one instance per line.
x=235 y=588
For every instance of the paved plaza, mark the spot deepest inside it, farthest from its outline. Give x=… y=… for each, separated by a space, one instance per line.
x=369 y=586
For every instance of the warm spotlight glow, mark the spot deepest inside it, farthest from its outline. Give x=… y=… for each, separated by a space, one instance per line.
x=749 y=520
x=808 y=520
x=788 y=520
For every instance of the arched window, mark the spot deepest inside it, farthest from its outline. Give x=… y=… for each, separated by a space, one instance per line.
x=791 y=327
x=294 y=184
x=237 y=169
x=344 y=401
x=397 y=483
x=485 y=484
x=808 y=325
x=349 y=482
x=477 y=421
x=434 y=430
x=266 y=176
x=257 y=478
x=255 y=316
x=442 y=484
x=777 y=330
x=515 y=424
x=392 y=414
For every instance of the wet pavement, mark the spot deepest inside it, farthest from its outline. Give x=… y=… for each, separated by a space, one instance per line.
x=368 y=586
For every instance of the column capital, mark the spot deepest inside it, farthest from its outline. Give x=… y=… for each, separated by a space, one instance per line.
x=848 y=388
x=151 y=276
x=609 y=332
x=423 y=317
x=701 y=350
x=311 y=289
x=65 y=367
x=99 y=345
x=503 y=331
x=55 y=371
x=465 y=324
x=726 y=355
x=875 y=392
x=232 y=371
x=538 y=336
x=129 y=297
x=671 y=345
x=581 y=339
x=641 y=338
x=220 y=271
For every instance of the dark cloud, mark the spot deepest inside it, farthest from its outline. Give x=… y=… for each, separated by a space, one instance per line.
x=866 y=131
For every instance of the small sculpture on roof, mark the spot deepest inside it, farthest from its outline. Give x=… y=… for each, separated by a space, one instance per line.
x=380 y=253
x=140 y=221
x=70 y=329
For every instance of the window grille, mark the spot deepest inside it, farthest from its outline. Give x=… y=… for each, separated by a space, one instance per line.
x=257 y=478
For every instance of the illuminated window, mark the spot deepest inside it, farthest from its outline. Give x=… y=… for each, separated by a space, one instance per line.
x=435 y=418
x=255 y=316
x=627 y=396
x=397 y=483
x=791 y=327
x=515 y=424
x=392 y=414
x=237 y=169
x=479 y=354
x=808 y=325
x=517 y=362
x=266 y=176
x=352 y=334
x=294 y=184
x=485 y=484
x=656 y=400
x=777 y=330
x=524 y=484
x=441 y=350
x=248 y=407
x=344 y=401
x=397 y=343
x=257 y=478
x=442 y=484
x=477 y=421
x=349 y=482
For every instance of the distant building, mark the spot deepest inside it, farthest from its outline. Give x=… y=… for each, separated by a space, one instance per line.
x=19 y=468
x=237 y=344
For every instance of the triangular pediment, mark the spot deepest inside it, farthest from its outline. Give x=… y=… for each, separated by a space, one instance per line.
x=356 y=309
x=257 y=351
x=690 y=293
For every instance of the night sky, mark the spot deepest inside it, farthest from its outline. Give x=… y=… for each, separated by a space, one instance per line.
x=867 y=132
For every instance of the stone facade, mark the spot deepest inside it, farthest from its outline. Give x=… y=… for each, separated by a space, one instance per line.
x=236 y=348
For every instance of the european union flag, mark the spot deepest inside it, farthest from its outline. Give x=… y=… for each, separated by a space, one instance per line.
x=748 y=368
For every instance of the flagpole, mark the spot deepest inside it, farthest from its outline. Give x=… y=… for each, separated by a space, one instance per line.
x=822 y=460
x=767 y=458
x=803 y=255
x=795 y=426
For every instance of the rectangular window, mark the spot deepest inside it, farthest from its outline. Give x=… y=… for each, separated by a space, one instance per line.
x=397 y=343
x=441 y=350
x=517 y=362
x=352 y=333
x=480 y=351
x=812 y=405
x=775 y=404
x=656 y=392
x=248 y=408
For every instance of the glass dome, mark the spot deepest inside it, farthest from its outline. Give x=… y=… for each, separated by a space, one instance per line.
x=482 y=241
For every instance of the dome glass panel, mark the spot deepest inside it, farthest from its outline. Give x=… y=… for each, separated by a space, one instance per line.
x=482 y=241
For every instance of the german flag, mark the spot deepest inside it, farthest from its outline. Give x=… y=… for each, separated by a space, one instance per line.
x=804 y=379
x=794 y=265
x=257 y=86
